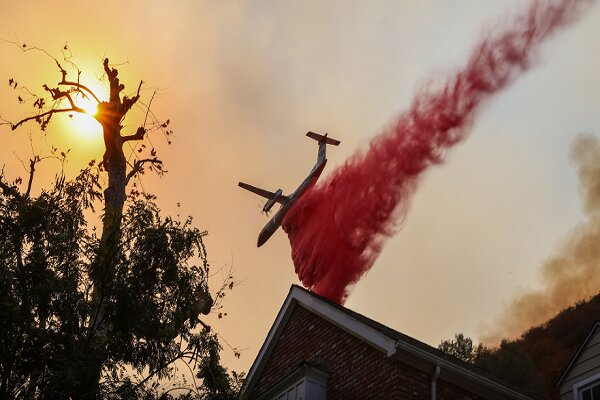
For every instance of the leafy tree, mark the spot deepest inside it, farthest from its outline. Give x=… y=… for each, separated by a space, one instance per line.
x=81 y=310
x=535 y=360
x=507 y=362
x=460 y=347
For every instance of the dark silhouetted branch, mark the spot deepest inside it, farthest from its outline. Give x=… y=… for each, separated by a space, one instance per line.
x=82 y=88
x=5 y=121
x=5 y=188
x=129 y=102
x=115 y=86
x=25 y=48
x=42 y=115
x=58 y=94
x=63 y=72
x=32 y=163
x=158 y=370
x=137 y=166
x=138 y=135
x=148 y=108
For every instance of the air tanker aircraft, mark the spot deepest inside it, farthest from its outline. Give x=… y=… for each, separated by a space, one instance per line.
x=287 y=201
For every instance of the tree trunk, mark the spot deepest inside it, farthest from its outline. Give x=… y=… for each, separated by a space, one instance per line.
x=103 y=269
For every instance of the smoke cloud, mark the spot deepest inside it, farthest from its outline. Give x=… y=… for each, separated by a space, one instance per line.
x=573 y=273
x=337 y=229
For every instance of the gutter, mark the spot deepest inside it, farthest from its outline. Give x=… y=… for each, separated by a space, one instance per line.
x=474 y=382
x=434 y=378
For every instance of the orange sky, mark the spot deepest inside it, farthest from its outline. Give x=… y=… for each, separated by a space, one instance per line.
x=243 y=81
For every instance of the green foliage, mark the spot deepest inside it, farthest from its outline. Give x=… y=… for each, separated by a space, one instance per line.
x=511 y=365
x=152 y=313
x=506 y=362
x=460 y=347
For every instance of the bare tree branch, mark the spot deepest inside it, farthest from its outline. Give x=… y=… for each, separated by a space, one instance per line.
x=148 y=108
x=62 y=70
x=58 y=94
x=82 y=88
x=50 y=112
x=32 y=163
x=129 y=102
x=138 y=135
x=24 y=48
x=4 y=121
x=77 y=84
x=138 y=165
x=115 y=86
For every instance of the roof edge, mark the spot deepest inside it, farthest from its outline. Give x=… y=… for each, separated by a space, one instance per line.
x=282 y=315
x=344 y=319
x=483 y=382
x=313 y=303
x=565 y=371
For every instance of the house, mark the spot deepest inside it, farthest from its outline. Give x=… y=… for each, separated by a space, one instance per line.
x=318 y=350
x=581 y=378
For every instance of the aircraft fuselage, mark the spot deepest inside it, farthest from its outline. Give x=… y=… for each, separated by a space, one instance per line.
x=287 y=202
x=275 y=222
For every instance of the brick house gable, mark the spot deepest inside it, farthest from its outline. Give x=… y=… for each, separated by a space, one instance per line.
x=355 y=368
x=361 y=358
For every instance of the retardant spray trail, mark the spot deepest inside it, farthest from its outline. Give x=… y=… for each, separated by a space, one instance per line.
x=337 y=229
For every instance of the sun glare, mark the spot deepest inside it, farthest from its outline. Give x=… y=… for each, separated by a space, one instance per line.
x=83 y=125
x=88 y=105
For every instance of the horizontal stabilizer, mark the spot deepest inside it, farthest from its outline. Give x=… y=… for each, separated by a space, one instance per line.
x=280 y=198
x=323 y=138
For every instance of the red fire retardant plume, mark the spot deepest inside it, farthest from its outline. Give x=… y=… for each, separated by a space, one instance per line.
x=337 y=229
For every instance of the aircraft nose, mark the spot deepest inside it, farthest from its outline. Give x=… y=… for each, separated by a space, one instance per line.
x=262 y=238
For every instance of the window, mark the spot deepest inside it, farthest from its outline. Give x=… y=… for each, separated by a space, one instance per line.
x=307 y=388
x=591 y=392
x=587 y=389
x=307 y=382
x=294 y=392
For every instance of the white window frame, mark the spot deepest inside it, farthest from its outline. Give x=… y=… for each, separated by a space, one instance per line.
x=585 y=384
x=303 y=375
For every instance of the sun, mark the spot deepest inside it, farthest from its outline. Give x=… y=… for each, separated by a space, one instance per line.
x=83 y=124
x=89 y=105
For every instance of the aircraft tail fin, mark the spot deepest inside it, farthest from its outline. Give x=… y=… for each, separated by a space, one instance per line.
x=323 y=142
x=323 y=138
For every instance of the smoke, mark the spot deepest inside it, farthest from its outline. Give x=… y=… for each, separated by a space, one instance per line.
x=337 y=229
x=573 y=273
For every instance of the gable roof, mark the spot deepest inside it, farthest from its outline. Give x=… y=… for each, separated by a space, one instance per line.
x=394 y=344
x=582 y=346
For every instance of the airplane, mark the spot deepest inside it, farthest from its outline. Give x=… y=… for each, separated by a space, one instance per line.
x=287 y=201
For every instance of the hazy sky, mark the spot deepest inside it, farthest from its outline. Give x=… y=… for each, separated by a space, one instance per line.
x=242 y=82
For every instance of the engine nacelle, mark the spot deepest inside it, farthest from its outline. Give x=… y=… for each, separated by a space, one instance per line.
x=271 y=202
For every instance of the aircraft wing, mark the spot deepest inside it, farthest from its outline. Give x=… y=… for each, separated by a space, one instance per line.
x=323 y=138
x=262 y=192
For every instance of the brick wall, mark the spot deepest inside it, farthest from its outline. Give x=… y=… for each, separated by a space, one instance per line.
x=356 y=369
